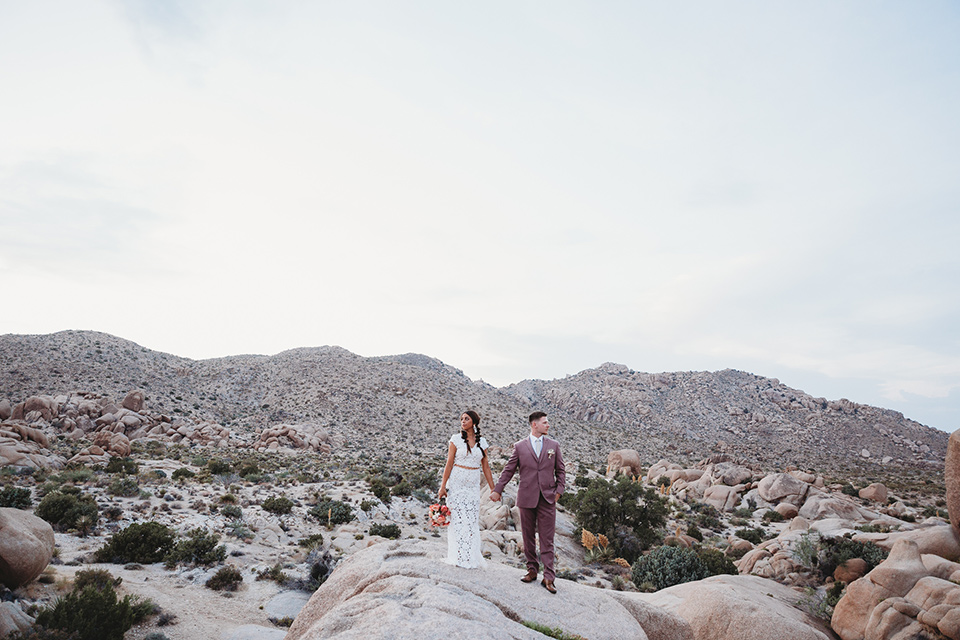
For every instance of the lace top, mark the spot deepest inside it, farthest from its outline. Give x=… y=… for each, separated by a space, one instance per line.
x=463 y=458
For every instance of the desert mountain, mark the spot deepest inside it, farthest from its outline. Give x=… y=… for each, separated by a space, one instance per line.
x=408 y=404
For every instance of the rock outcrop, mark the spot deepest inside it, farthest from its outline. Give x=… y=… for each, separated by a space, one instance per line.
x=26 y=546
x=951 y=474
x=404 y=590
x=740 y=608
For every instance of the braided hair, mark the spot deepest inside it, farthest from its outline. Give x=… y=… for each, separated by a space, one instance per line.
x=475 y=418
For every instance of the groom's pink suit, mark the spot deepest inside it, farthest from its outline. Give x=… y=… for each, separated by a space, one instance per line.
x=541 y=482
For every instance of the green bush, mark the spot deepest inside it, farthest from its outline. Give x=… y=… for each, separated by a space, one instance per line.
x=38 y=632
x=146 y=543
x=391 y=531
x=228 y=578
x=716 y=562
x=402 y=488
x=199 y=548
x=182 y=473
x=63 y=509
x=381 y=491
x=99 y=578
x=93 y=612
x=15 y=497
x=850 y=490
x=277 y=504
x=232 y=511
x=313 y=541
x=750 y=535
x=694 y=532
x=124 y=486
x=218 y=467
x=834 y=552
x=604 y=506
x=772 y=516
x=122 y=465
x=274 y=573
x=668 y=566
x=332 y=512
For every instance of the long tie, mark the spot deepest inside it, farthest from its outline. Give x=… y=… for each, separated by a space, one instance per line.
x=537 y=445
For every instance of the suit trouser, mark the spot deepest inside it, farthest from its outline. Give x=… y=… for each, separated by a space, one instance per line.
x=540 y=521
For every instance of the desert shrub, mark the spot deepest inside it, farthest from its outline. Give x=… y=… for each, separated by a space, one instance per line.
x=850 y=490
x=834 y=552
x=551 y=632
x=708 y=517
x=402 y=488
x=218 y=467
x=248 y=469
x=232 y=511
x=367 y=506
x=199 y=547
x=38 y=632
x=321 y=565
x=183 y=473
x=228 y=498
x=716 y=562
x=668 y=566
x=908 y=517
x=92 y=612
x=63 y=508
x=277 y=504
x=122 y=465
x=772 y=515
x=581 y=481
x=238 y=529
x=380 y=490
x=143 y=608
x=606 y=506
x=391 y=531
x=228 y=578
x=332 y=512
x=125 y=486
x=76 y=476
x=314 y=540
x=146 y=543
x=626 y=543
x=753 y=535
x=15 y=497
x=274 y=573
x=694 y=532
x=99 y=578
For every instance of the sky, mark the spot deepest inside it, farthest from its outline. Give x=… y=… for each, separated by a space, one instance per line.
x=522 y=190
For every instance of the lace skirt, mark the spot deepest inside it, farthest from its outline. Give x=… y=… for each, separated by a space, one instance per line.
x=463 y=534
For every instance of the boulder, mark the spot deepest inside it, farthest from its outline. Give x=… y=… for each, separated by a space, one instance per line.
x=787 y=510
x=722 y=497
x=739 y=608
x=5 y=411
x=876 y=492
x=133 y=401
x=404 y=589
x=941 y=540
x=12 y=618
x=820 y=506
x=951 y=476
x=892 y=578
x=783 y=487
x=850 y=570
x=626 y=461
x=26 y=546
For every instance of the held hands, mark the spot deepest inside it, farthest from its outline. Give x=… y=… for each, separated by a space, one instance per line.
x=495 y=496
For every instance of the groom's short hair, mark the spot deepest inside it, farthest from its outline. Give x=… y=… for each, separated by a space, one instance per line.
x=536 y=415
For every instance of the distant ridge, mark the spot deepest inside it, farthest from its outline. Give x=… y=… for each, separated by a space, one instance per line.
x=409 y=403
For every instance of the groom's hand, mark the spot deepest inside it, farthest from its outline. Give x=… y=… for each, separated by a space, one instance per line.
x=495 y=496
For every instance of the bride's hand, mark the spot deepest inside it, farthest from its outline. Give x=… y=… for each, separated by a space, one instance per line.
x=442 y=493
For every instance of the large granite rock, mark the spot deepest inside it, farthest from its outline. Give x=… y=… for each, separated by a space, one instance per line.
x=783 y=487
x=26 y=546
x=740 y=608
x=404 y=589
x=951 y=475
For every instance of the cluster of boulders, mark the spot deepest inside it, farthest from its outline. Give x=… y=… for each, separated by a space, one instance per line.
x=110 y=426
x=719 y=481
x=23 y=446
x=297 y=436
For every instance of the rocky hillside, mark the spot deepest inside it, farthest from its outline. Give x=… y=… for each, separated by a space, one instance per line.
x=409 y=404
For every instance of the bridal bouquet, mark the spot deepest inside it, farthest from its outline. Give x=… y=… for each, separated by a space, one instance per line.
x=439 y=514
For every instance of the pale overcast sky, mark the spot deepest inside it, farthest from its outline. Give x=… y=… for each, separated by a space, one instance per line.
x=523 y=190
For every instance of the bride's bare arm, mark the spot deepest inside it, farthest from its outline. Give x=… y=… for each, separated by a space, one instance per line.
x=485 y=463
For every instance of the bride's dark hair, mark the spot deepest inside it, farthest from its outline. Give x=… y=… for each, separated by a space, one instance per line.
x=475 y=418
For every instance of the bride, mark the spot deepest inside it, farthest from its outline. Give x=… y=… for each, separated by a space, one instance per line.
x=466 y=458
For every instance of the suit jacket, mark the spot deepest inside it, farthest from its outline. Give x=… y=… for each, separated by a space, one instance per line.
x=546 y=475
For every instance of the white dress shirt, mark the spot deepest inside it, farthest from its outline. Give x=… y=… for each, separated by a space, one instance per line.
x=537 y=445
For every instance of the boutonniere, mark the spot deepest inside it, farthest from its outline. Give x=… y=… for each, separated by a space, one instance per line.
x=550 y=453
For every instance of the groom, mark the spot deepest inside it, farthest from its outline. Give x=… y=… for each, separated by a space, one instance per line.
x=542 y=481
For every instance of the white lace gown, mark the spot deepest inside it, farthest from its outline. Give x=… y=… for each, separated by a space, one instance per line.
x=463 y=499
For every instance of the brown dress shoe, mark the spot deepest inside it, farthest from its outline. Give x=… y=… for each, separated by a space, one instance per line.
x=530 y=577
x=548 y=585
